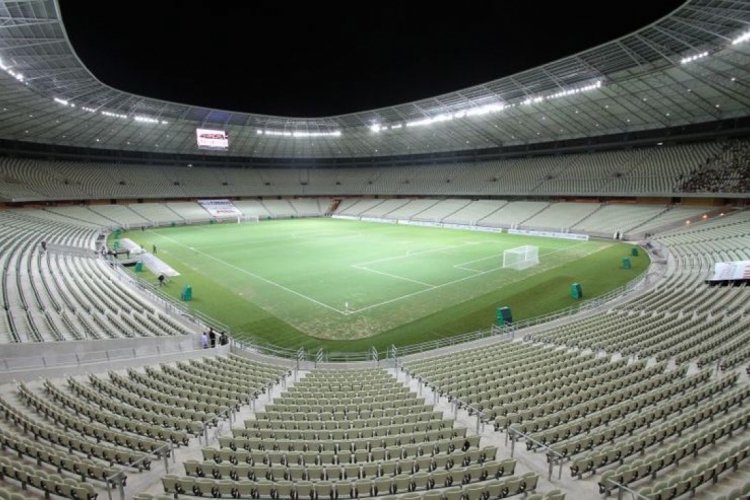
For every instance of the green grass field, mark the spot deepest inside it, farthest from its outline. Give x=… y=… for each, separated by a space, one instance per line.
x=348 y=285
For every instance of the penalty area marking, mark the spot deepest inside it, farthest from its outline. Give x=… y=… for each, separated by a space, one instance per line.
x=463 y=265
x=396 y=276
x=478 y=273
x=360 y=266
x=414 y=254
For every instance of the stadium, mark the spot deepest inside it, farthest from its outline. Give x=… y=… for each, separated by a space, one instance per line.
x=535 y=287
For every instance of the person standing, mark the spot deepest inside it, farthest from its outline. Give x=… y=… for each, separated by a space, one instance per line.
x=204 y=340
x=153 y=247
x=212 y=337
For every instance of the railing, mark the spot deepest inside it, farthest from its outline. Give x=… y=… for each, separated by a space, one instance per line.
x=228 y=413
x=393 y=352
x=554 y=457
x=621 y=489
x=349 y=357
x=117 y=480
x=252 y=344
x=445 y=342
x=455 y=402
x=9 y=365
x=168 y=302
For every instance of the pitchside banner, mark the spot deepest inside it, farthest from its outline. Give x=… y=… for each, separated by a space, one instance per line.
x=550 y=234
x=220 y=208
x=465 y=227
x=729 y=271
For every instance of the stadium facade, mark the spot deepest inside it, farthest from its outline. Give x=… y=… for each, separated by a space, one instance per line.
x=685 y=69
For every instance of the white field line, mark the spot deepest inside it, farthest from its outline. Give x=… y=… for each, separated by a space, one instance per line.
x=261 y=278
x=409 y=254
x=360 y=266
x=458 y=266
x=463 y=265
x=311 y=235
x=479 y=273
x=396 y=276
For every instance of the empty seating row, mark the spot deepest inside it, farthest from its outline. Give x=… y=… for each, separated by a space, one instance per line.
x=361 y=488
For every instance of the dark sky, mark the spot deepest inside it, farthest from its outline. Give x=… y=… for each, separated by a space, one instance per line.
x=320 y=59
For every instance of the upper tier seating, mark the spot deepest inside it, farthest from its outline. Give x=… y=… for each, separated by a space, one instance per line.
x=658 y=170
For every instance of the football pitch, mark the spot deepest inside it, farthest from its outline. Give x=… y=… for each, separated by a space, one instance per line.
x=348 y=285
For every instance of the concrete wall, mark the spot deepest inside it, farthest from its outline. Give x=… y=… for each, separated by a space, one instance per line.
x=140 y=358
x=50 y=356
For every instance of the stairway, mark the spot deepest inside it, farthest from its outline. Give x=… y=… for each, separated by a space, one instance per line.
x=333 y=206
x=601 y=205
x=547 y=206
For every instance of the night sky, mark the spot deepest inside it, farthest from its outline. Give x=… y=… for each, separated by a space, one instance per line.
x=316 y=59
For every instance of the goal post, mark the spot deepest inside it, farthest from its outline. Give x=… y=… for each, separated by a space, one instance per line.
x=247 y=218
x=521 y=257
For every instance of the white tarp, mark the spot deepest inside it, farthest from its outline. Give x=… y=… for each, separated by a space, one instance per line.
x=220 y=208
x=128 y=244
x=727 y=271
x=156 y=265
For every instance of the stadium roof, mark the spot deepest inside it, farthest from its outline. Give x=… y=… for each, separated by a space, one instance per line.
x=691 y=66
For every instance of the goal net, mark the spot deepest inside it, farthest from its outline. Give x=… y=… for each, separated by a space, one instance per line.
x=521 y=257
x=247 y=218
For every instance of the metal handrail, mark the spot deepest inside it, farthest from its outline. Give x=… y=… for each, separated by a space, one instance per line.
x=556 y=458
x=621 y=488
x=229 y=412
x=167 y=300
x=118 y=478
x=480 y=414
x=251 y=343
x=105 y=356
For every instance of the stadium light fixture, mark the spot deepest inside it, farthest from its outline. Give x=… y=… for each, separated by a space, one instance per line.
x=689 y=59
x=443 y=117
x=114 y=115
x=145 y=119
x=64 y=102
x=298 y=134
x=563 y=93
x=742 y=38
x=7 y=69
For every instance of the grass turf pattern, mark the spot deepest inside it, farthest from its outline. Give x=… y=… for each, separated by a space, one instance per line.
x=348 y=285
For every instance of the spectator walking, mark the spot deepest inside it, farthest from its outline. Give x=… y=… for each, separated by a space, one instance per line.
x=204 y=340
